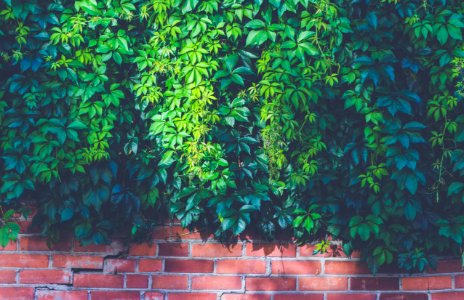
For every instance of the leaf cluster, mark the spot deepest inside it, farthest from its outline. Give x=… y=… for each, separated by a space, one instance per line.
x=325 y=120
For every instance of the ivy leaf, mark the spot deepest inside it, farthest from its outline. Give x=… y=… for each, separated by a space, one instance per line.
x=455 y=188
x=82 y=230
x=66 y=214
x=77 y=125
x=256 y=38
x=189 y=5
x=411 y=184
x=442 y=35
x=255 y=24
x=410 y=211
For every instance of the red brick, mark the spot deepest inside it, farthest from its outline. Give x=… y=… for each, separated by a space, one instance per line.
x=288 y=250
x=33 y=243
x=117 y=265
x=175 y=233
x=135 y=281
x=246 y=297
x=270 y=284
x=25 y=227
x=216 y=250
x=11 y=246
x=90 y=248
x=37 y=243
x=192 y=296
x=188 y=266
x=216 y=283
x=346 y=296
x=403 y=296
x=153 y=296
x=448 y=296
x=98 y=280
x=285 y=267
x=448 y=266
x=78 y=262
x=299 y=297
x=426 y=283
x=23 y=260
x=459 y=281
x=168 y=282
x=241 y=266
x=115 y=295
x=144 y=249
x=115 y=247
x=356 y=254
x=322 y=283
x=374 y=283
x=150 y=265
x=7 y=276
x=45 y=276
x=173 y=249
x=308 y=250
x=16 y=293
x=346 y=267
x=61 y=295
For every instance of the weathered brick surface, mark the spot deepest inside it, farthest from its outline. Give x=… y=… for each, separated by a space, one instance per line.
x=119 y=265
x=427 y=283
x=346 y=267
x=323 y=283
x=192 y=296
x=136 y=281
x=7 y=276
x=188 y=266
x=246 y=297
x=448 y=296
x=357 y=296
x=35 y=243
x=459 y=281
x=150 y=265
x=227 y=283
x=91 y=280
x=17 y=293
x=78 y=262
x=238 y=266
x=23 y=261
x=174 y=249
x=271 y=284
x=61 y=295
x=374 y=283
x=178 y=264
x=296 y=267
x=115 y=295
x=144 y=249
x=258 y=249
x=216 y=250
x=299 y=297
x=170 y=282
x=404 y=296
x=45 y=276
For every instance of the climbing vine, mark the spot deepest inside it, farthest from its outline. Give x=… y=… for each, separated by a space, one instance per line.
x=323 y=119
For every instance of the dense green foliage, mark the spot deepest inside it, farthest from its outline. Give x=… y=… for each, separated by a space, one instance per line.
x=321 y=118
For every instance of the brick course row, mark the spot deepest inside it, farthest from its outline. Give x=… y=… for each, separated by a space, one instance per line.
x=178 y=264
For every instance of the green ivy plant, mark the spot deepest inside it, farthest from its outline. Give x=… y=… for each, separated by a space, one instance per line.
x=9 y=224
x=315 y=118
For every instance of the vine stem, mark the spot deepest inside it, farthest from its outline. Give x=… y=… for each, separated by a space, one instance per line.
x=440 y=170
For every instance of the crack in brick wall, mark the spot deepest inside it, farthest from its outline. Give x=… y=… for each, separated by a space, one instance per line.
x=179 y=265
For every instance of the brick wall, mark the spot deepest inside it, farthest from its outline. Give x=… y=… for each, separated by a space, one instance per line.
x=179 y=265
